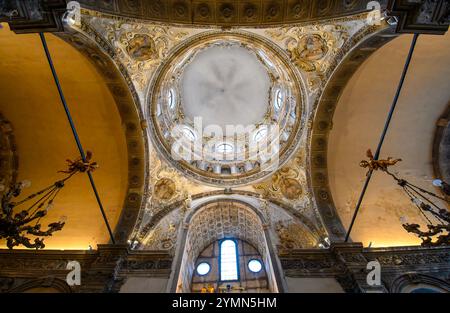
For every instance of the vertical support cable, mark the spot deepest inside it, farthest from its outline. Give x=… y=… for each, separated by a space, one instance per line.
x=383 y=134
x=75 y=133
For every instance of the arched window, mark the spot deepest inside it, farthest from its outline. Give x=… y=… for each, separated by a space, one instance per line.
x=171 y=98
x=189 y=133
x=228 y=260
x=225 y=148
x=278 y=99
x=260 y=134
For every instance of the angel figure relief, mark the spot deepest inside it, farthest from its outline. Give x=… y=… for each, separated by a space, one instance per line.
x=375 y=165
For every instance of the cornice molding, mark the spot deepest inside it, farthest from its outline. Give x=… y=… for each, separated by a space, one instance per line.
x=347 y=262
x=229 y=13
x=102 y=270
x=428 y=16
x=424 y=17
x=105 y=269
x=33 y=16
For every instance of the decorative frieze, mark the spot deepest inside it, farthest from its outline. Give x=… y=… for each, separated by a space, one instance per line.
x=102 y=270
x=348 y=263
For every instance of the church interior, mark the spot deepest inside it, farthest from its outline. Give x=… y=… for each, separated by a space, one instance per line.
x=224 y=146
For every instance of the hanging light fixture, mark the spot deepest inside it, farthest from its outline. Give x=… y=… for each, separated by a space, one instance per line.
x=425 y=201
x=16 y=225
x=438 y=227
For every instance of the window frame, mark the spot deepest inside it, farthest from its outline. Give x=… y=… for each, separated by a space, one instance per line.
x=238 y=274
x=189 y=133
x=225 y=144
x=258 y=131
x=278 y=96
x=171 y=98
x=203 y=262
x=259 y=261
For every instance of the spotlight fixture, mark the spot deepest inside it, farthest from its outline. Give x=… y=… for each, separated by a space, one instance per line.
x=443 y=185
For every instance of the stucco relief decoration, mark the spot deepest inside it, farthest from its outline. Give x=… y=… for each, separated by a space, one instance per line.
x=139 y=47
x=307 y=50
x=293 y=236
x=164 y=189
x=167 y=185
x=289 y=187
x=164 y=235
x=287 y=183
x=313 y=48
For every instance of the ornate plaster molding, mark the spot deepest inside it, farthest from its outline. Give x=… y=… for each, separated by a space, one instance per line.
x=223 y=13
x=102 y=270
x=425 y=17
x=366 y=41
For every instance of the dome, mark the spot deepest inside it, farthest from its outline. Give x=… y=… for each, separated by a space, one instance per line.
x=225 y=85
x=226 y=108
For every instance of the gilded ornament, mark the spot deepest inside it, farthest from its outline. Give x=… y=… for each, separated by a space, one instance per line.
x=309 y=49
x=141 y=47
x=290 y=188
x=164 y=189
x=375 y=165
x=293 y=236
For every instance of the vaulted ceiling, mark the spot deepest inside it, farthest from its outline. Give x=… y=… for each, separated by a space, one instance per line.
x=30 y=102
x=357 y=125
x=149 y=57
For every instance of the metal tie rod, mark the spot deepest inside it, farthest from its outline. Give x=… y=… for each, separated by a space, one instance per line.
x=75 y=134
x=383 y=134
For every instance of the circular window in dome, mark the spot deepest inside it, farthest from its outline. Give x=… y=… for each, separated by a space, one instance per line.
x=203 y=268
x=255 y=266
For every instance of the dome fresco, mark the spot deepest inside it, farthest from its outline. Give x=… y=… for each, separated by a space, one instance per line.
x=236 y=114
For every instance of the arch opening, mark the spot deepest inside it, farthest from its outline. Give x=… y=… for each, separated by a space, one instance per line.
x=214 y=231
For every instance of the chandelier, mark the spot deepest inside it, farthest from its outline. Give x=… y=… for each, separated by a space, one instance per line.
x=437 y=231
x=16 y=225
